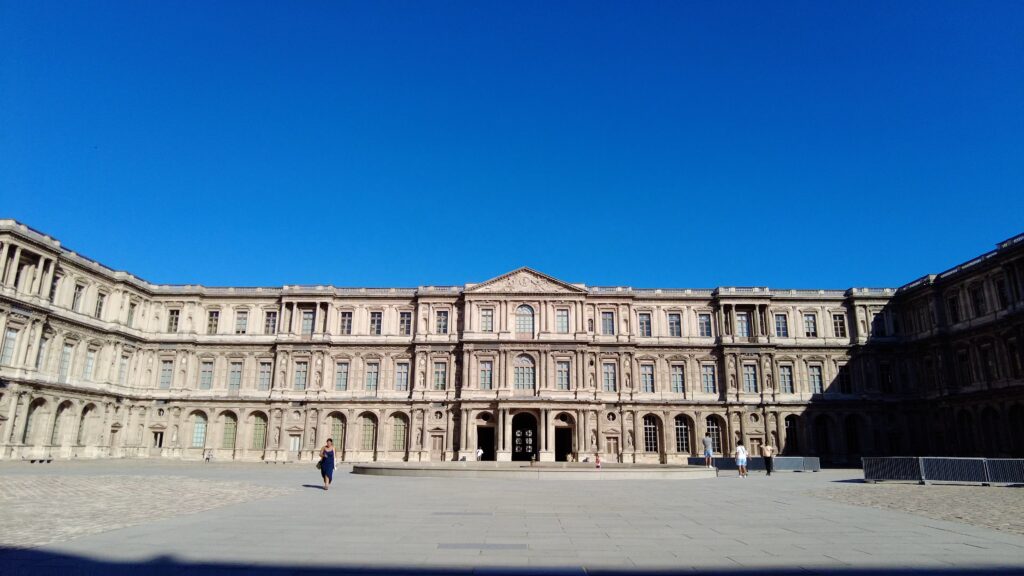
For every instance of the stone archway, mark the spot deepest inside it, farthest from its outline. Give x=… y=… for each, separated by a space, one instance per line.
x=524 y=437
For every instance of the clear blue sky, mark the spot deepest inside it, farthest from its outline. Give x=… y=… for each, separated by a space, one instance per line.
x=655 y=144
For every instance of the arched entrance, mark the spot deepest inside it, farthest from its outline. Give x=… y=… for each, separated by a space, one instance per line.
x=485 y=437
x=524 y=436
x=564 y=426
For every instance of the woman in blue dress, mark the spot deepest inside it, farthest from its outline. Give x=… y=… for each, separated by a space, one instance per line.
x=327 y=463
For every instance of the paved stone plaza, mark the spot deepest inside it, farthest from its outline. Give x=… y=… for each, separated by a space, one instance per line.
x=172 y=517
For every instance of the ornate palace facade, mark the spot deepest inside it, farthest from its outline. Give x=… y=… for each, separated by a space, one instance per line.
x=99 y=363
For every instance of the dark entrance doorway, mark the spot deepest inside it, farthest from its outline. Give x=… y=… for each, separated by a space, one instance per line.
x=485 y=441
x=563 y=444
x=524 y=436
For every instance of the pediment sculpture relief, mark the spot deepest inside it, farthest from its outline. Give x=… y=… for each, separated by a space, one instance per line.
x=522 y=282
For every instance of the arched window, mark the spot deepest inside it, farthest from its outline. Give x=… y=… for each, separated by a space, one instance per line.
x=792 y=435
x=83 y=422
x=524 y=320
x=650 y=433
x=198 y=430
x=338 y=431
x=716 y=434
x=682 y=434
x=259 y=432
x=33 y=410
x=230 y=431
x=369 y=433
x=58 y=424
x=399 y=433
x=524 y=373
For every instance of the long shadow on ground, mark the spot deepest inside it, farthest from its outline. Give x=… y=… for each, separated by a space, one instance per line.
x=28 y=562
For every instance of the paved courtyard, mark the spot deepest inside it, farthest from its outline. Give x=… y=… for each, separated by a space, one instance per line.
x=170 y=517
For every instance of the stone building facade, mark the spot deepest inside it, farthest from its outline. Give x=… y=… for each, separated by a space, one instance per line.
x=99 y=363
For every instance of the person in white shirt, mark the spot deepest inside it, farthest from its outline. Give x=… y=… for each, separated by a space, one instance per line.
x=479 y=454
x=741 y=459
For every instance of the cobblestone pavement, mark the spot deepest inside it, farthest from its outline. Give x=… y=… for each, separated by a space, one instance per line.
x=164 y=517
x=41 y=509
x=996 y=507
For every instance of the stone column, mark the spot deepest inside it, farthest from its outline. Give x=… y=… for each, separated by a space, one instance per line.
x=3 y=260
x=12 y=272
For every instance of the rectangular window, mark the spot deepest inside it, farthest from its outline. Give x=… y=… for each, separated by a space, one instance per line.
x=647 y=378
x=786 y=379
x=608 y=323
x=562 y=375
x=486 y=375
x=978 y=301
x=241 y=321
x=101 y=300
x=122 y=370
x=707 y=379
x=53 y=287
x=810 y=326
x=90 y=364
x=235 y=376
x=743 y=324
x=816 y=381
x=172 y=320
x=10 y=339
x=376 y=323
x=963 y=367
x=608 y=381
x=131 y=313
x=212 y=321
x=782 y=326
x=307 y=322
x=44 y=345
x=878 y=325
x=704 y=325
x=166 y=374
x=405 y=323
x=76 y=298
x=372 y=376
x=402 y=377
x=487 y=320
x=341 y=376
x=645 y=324
x=266 y=371
x=346 y=323
x=845 y=386
x=953 y=304
x=440 y=375
x=442 y=321
x=562 y=321
x=1002 y=293
x=678 y=379
x=206 y=375
x=65 y=362
x=839 y=325
x=301 y=375
x=675 y=325
x=270 y=322
x=750 y=378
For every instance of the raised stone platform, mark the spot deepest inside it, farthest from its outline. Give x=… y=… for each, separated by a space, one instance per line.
x=537 y=471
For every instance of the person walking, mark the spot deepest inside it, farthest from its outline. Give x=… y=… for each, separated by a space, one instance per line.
x=768 y=451
x=741 y=459
x=327 y=463
x=709 y=449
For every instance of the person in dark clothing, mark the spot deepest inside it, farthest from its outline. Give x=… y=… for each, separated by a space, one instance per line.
x=327 y=463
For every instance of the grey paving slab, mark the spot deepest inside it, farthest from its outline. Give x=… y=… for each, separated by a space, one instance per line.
x=264 y=520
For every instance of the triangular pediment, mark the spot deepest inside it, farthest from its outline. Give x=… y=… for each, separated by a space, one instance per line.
x=525 y=281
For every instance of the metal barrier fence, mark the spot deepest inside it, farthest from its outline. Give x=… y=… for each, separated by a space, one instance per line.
x=782 y=463
x=931 y=469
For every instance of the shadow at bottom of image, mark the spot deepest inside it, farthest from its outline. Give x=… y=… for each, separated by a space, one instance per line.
x=25 y=562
